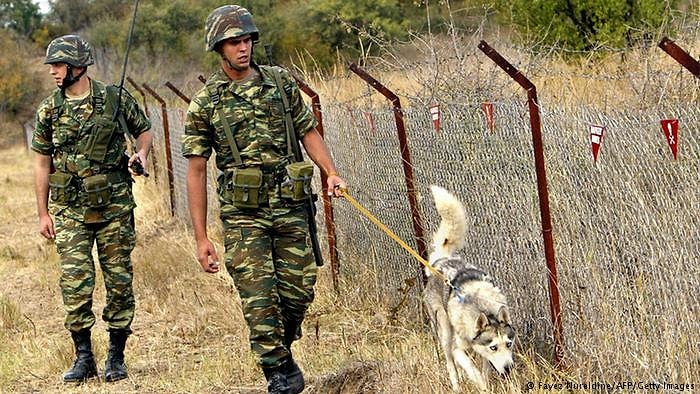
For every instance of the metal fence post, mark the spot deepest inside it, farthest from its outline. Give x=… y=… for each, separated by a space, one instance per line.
x=168 y=150
x=406 y=159
x=153 y=159
x=143 y=95
x=327 y=205
x=535 y=125
x=680 y=55
x=177 y=92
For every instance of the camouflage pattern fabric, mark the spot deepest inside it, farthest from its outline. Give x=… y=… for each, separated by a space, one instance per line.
x=268 y=250
x=115 y=240
x=70 y=49
x=256 y=117
x=65 y=137
x=228 y=21
x=269 y=258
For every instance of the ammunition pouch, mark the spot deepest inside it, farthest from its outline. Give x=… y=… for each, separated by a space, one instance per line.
x=62 y=188
x=297 y=185
x=99 y=141
x=243 y=190
x=98 y=190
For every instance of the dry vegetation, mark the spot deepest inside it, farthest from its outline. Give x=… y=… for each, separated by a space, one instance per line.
x=189 y=333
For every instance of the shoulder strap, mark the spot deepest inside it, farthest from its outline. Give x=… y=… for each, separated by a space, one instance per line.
x=292 y=143
x=56 y=108
x=110 y=102
x=216 y=100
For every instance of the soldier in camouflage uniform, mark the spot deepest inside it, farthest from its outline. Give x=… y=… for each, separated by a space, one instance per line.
x=81 y=164
x=240 y=115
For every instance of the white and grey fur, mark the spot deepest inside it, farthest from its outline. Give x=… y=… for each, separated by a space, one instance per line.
x=470 y=318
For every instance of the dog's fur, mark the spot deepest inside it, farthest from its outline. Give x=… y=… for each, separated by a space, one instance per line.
x=471 y=318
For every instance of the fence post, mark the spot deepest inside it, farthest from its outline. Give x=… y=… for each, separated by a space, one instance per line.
x=680 y=55
x=153 y=159
x=535 y=125
x=406 y=159
x=177 y=92
x=143 y=95
x=168 y=150
x=327 y=205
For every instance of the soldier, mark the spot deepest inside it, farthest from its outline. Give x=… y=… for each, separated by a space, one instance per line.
x=81 y=164
x=240 y=114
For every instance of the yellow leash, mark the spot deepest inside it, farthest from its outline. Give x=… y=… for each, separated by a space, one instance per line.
x=390 y=233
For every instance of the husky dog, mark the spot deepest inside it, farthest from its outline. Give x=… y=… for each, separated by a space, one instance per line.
x=469 y=314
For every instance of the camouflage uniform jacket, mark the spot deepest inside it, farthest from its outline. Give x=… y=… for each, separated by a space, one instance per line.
x=63 y=131
x=256 y=116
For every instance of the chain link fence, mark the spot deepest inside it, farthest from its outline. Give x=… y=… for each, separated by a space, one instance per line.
x=625 y=228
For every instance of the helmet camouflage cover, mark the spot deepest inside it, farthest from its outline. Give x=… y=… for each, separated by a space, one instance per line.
x=70 y=49
x=229 y=21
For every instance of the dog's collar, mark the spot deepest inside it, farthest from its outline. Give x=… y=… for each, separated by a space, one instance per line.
x=471 y=274
x=467 y=275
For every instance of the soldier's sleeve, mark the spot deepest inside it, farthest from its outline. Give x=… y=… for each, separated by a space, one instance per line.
x=136 y=119
x=41 y=138
x=304 y=120
x=197 y=140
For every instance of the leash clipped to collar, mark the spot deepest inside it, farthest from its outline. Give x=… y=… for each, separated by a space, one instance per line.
x=401 y=242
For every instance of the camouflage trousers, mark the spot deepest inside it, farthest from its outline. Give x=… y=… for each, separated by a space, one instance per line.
x=115 y=240
x=270 y=260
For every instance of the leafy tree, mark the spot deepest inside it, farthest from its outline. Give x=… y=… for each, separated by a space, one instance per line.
x=586 y=24
x=20 y=15
x=20 y=86
x=345 y=25
x=69 y=15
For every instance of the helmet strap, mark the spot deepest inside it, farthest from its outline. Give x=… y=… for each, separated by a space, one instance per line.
x=70 y=79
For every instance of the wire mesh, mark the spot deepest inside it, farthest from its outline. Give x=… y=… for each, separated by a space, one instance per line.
x=624 y=227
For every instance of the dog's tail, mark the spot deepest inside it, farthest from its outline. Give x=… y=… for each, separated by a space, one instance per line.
x=449 y=237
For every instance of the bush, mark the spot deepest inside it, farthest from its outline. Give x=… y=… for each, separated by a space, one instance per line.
x=584 y=25
x=20 y=80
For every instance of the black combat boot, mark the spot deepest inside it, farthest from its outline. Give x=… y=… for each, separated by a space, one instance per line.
x=290 y=368
x=115 y=369
x=294 y=376
x=276 y=381
x=292 y=332
x=84 y=365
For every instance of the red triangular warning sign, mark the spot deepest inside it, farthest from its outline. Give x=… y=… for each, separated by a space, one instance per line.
x=670 y=128
x=370 y=122
x=435 y=114
x=596 y=139
x=488 y=113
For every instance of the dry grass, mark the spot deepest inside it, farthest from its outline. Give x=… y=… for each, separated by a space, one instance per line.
x=189 y=333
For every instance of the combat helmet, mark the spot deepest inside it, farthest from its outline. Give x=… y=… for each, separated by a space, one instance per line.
x=70 y=49
x=229 y=21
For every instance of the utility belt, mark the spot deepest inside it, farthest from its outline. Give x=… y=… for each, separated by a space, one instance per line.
x=94 y=191
x=246 y=187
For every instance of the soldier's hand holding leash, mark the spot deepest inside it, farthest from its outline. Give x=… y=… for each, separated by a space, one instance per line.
x=335 y=185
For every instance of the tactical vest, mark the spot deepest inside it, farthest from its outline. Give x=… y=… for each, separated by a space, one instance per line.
x=89 y=162
x=94 y=143
x=243 y=184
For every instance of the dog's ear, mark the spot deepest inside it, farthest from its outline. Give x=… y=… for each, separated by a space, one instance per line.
x=504 y=315
x=482 y=322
